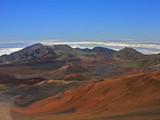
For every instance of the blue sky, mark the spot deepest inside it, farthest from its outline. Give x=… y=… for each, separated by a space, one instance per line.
x=124 y=21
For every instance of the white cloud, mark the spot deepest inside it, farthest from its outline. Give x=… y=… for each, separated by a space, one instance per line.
x=146 y=51
x=8 y=50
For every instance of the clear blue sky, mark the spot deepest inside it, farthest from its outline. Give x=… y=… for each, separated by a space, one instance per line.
x=79 y=20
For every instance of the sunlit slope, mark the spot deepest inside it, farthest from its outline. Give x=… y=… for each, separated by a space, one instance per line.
x=108 y=96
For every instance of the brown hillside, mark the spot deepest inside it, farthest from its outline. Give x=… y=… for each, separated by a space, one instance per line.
x=113 y=95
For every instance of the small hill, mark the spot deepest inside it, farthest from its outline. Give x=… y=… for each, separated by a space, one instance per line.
x=75 y=67
x=128 y=54
x=136 y=59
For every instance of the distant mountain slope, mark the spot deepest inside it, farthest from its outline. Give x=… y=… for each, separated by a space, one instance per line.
x=148 y=61
x=38 y=54
x=33 y=52
x=66 y=49
x=128 y=54
x=56 y=52
x=137 y=59
x=98 y=50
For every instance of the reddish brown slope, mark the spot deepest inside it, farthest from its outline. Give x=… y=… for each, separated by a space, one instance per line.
x=113 y=95
x=76 y=76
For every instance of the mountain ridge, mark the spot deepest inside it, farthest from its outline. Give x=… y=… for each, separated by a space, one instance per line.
x=38 y=51
x=99 y=50
x=38 y=54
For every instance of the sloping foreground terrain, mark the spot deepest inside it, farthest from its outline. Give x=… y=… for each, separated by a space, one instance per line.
x=133 y=97
x=60 y=82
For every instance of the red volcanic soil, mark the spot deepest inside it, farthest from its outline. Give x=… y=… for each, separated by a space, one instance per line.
x=20 y=70
x=109 y=96
x=1 y=85
x=76 y=76
x=125 y=70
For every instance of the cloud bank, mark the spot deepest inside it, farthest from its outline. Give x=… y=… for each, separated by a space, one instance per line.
x=146 y=48
x=8 y=50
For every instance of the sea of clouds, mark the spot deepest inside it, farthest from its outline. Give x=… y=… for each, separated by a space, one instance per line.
x=145 y=48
